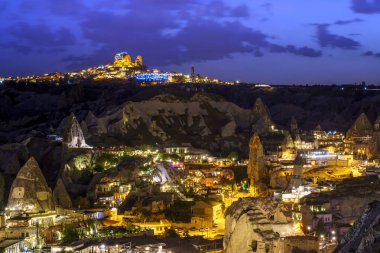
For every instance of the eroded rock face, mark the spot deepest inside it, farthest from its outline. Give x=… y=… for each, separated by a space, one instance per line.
x=73 y=134
x=361 y=127
x=256 y=165
x=260 y=117
x=294 y=126
x=11 y=155
x=248 y=227
x=376 y=125
x=61 y=197
x=364 y=236
x=288 y=142
x=229 y=129
x=29 y=191
x=374 y=145
x=204 y=121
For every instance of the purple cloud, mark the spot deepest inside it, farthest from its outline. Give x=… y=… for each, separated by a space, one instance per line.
x=371 y=53
x=67 y=7
x=346 y=22
x=302 y=51
x=179 y=32
x=218 y=8
x=366 y=6
x=327 y=39
x=25 y=38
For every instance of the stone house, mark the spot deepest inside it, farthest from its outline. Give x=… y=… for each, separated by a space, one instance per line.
x=206 y=213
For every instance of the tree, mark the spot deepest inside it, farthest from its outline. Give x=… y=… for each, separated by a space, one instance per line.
x=227 y=183
x=320 y=229
x=179 y=212
x=106 y=160
x=170 y=232
x=190 y=193
x=233 y=156
x=146 y=147
x=82 y=202
x=70 y=234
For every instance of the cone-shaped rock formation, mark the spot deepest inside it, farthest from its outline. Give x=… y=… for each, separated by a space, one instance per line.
x=73 y=134
x=29 y=191
x=61 y=197
x=361 y=127
x=260 y=117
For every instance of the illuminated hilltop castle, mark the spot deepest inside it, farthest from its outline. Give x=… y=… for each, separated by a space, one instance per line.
x=122 y=68
x=124 y=60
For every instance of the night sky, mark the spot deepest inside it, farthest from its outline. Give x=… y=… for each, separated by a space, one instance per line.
x=281 y=42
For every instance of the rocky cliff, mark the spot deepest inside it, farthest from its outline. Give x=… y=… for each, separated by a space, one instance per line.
x=107 y=109
x=261 y=120
x=203 y=120
x=364 y=236
x=256 y=164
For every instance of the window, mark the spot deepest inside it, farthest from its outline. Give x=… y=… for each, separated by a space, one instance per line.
x=254 y=246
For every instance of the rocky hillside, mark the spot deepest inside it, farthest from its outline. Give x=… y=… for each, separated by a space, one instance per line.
x=203 y=120
x=223 y=115
x=364 y=236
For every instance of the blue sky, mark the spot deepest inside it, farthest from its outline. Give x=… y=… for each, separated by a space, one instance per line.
x=281 y=42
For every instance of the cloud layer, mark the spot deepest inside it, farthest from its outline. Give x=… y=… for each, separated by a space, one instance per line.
x=72 y=34
x=366 y=6
x=327 y=39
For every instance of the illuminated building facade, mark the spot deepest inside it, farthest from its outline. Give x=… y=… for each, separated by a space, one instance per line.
x=151 y=77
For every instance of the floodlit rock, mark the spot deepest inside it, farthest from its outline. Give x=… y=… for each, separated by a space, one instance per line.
x=29 y=191
x=122 y=60
x=297 y=141
x=260 y=117
x=84 y=128
x=364 y=236
x=160 y=174
x=61 y=197
x=139 y=61
x=361 y=127
x=256 y=166
x=288 y=142
x=374 y=145
x=73 y=136
x=296 y=179
x=248 y=227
